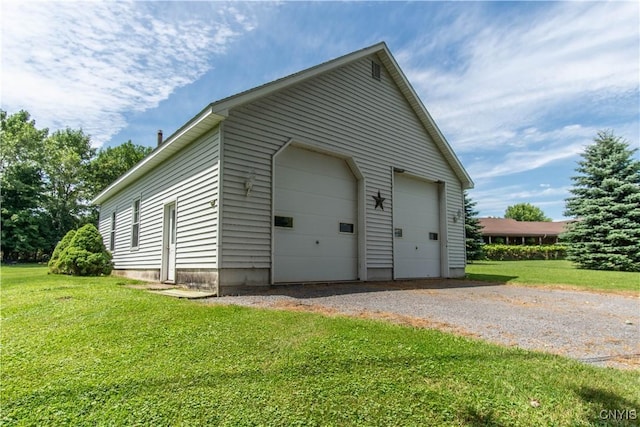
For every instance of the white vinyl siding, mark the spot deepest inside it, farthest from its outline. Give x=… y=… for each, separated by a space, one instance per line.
x=190 y=178
x=344 y=110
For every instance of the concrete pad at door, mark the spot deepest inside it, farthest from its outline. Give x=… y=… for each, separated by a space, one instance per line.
x=185 y=293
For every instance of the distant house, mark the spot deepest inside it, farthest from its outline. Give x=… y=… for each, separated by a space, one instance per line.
x=335 y=173
x=512 y=232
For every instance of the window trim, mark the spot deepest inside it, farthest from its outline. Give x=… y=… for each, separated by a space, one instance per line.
x=135 y=223
x=347 y=224
x=376 y=70
x=280 y=220
x=112 y=234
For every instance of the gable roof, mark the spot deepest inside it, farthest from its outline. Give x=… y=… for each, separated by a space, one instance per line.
x=512 y=228
x=217 y=111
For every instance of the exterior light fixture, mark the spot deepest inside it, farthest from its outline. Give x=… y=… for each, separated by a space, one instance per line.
x=248 y=186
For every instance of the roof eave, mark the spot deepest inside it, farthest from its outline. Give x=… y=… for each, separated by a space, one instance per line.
x=198 y=125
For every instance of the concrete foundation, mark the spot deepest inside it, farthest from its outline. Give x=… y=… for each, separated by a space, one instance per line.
x=149 y=275
x=377 y=274
x=238 y=281
x=234 y=281
x=456 y=273
x=198 y=278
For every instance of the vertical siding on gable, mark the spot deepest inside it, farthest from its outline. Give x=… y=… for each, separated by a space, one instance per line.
x=190 y=178
x=345 y=110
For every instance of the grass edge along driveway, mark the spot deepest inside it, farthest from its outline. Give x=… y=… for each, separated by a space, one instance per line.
x=553 y=273
x=89 y=351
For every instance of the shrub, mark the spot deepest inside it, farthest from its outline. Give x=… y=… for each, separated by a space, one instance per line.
x=60 y=247
x=85 y=255
x=517 y=253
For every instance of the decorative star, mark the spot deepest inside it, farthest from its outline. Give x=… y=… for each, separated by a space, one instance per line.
x=379 y=200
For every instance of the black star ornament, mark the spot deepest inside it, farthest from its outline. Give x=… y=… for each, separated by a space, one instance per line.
x=379 y=201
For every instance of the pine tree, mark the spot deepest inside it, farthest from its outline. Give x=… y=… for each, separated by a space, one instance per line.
x=606 y=204
x=472 y=230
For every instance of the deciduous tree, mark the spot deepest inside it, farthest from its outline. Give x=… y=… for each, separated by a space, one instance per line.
x=24 y=221
x=111 y=163
x=67 y=156
x=25 y=224
x=47 y=181
x=525 y=212
x=21 y=141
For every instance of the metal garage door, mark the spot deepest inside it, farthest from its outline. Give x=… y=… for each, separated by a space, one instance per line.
x=315 y=218
x=416 y=222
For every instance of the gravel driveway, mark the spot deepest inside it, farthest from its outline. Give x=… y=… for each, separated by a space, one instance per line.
x=597 y=328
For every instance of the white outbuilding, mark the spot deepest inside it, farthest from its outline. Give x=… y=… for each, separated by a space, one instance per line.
x=335 y=173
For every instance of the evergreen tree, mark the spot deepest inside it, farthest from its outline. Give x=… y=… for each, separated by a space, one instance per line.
x=82 y=254
x=472 y=230
x=62 y=245
x=606 y=203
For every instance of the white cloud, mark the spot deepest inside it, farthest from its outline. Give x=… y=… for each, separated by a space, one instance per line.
x=535 y=66
x=87 y=64
x=527 y=153
x=495 y=200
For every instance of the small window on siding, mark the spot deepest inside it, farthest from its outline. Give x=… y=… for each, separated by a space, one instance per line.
x=283 y=221
x=433 y=236
x=397 y=232
x=112 y=241
x=346 y=227
x=135 y=224
x=375 y=70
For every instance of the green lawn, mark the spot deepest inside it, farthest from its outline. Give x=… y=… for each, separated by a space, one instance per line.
x=552 y=273
x=90 y=351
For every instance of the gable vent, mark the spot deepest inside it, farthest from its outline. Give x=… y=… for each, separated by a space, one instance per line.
x=375 y=70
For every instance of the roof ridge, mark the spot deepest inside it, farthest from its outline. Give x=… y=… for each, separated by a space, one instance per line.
x=380 y=45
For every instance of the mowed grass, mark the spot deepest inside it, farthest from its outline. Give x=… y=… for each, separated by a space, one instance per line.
x=91 y=351
x=560 y=272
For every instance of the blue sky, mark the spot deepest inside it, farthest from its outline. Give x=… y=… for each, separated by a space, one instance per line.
x=517 y=88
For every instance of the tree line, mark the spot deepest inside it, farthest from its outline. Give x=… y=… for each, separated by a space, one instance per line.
x=47 y=181
x=604 y=201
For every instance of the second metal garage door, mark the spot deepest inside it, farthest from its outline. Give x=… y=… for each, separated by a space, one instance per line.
x=315 y=218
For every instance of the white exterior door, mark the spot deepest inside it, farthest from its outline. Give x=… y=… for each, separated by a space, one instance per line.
x=416 y=219
x=315 y=218
x=170 y=242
